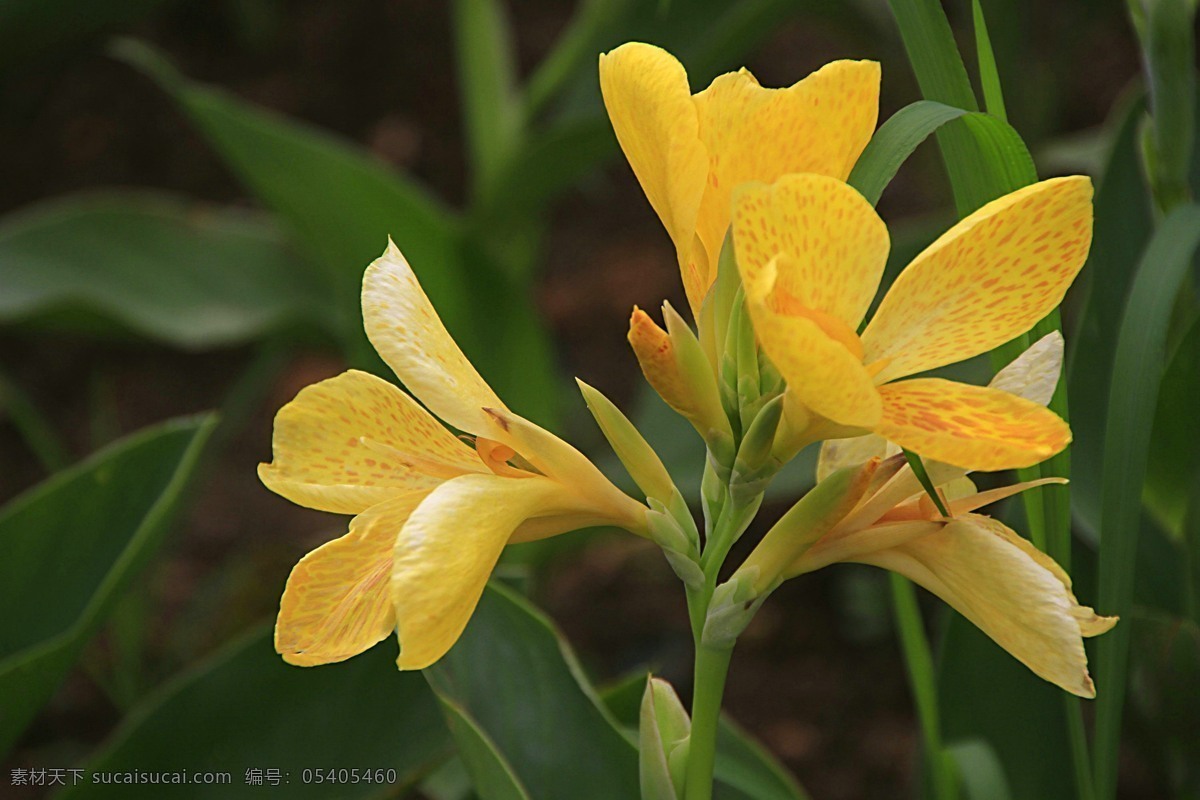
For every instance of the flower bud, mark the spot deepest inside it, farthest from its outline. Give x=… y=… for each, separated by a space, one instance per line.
x=635 y=453
x=664 y=732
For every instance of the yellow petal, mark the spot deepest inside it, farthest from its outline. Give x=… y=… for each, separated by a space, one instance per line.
x=406 y=330
x=656 y=356
x=828 y=244
x=594 y=494
x=841 y=453
x=986 y=280
x=825 y=376
x=650 y=105
x=337 y=601
x=972 y=427
x=352 y=441
x=819 y=125
x=1033 y=374
x=992 y=577
x=446 y=551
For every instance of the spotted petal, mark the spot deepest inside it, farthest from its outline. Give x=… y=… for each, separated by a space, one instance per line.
x=827 y=243
x=1012 y=592
x=352 y=441
x=337 y=602
x=820 y=125
x=985 y=281
x=446 y=551
x=972 y=427
x=406 y=330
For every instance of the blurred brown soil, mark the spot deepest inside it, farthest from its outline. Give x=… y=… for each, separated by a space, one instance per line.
x=822 y=686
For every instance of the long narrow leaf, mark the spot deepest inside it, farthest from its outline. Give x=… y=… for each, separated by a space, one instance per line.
x=1137 y=371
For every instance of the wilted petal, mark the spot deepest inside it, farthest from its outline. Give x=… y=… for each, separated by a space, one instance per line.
x=352 y=441
x=1034 y=374
x=986 y=280
x=973 y=427
x=445 y=553
x=337 y=602
x=1011 y=591
x=406 y=330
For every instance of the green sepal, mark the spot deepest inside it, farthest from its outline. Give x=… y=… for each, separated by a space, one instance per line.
x=664 y=731
x=635 y=453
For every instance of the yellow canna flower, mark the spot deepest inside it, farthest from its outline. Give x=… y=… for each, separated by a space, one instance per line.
x=433 y=513
x=690 y=152
x=1012 y=591
x=811 y=251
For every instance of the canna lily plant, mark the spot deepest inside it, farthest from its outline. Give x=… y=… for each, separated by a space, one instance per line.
x=781 y=260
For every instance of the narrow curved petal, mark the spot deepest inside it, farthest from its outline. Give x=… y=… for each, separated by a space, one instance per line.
x=352 y=441
x=594 y=494
x=445 y=553
x=406 y=330
x=337 y=601
x=820 y=125
x=993 y=578
x=986 y=280
x=828 y=245
x=1033 y=374
x=650 y=106
x=972 y=427
x=825 y=376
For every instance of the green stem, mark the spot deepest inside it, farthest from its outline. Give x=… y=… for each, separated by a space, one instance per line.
x=1081 y=760
x=712 y=665
x=919 y=660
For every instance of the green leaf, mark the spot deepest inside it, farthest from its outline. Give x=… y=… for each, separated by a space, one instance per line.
x=72 y=544
x=894 y=142
x=989 y=75
x=173 y=270
x=1137 y=372
x=1174 y=465
x=487 y=78
x=980 y=770
x=511 y=683
x=1123 y=224
x=339 y=202
x=245 y=709
x=1169 y=45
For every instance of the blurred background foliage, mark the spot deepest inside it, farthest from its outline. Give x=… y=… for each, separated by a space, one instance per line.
x=190 y=193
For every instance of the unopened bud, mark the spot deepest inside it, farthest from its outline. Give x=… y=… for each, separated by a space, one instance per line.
x=664 y=732
x=639 y=458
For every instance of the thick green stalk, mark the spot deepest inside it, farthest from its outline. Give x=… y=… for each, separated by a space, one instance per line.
x=712 y=665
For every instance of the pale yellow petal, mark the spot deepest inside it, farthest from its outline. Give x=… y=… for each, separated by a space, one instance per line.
x=352 y=441
x=445 y=553
x=825 y=376
x=1033 y=374
x=982 y=570
x=595 y=495
x=406 y=330
x=841 y=453
x=988 y=279
x=650 y=105
x=819 y=125
x=972 y=427
x=337 y=602
x=828 y=245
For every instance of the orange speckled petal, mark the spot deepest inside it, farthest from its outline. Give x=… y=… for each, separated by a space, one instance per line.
x=972 y=427
x=406 y=330
x=986 y=280
x=820 y=124
x=446 y=551
x=992 y=577
x=337 y=601
x=828 y=245
x=650 y=106
x=824 y=375
x=352 y=441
